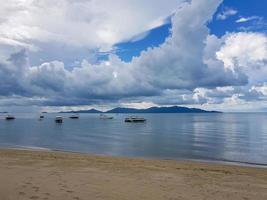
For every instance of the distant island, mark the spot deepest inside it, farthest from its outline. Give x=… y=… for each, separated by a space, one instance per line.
x=173 y=109
x=83 y=111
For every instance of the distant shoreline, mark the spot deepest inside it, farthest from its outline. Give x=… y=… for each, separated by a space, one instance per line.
x=122 y=110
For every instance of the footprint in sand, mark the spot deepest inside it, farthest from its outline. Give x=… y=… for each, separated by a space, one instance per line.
x=22 y=193
x=36 y=188
x=34 y=197
x=46 y=196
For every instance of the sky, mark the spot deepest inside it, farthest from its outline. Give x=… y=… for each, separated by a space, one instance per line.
x=72 y=55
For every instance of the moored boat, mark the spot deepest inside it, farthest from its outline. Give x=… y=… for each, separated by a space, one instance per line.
x=74 y=117
x=59 y=119
x=10 y=117
x=135 y=119
x=102 y=116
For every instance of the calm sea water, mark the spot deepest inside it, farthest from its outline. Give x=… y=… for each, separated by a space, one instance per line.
x=225 y=137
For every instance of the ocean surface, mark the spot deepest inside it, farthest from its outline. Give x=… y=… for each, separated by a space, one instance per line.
x=239 y=137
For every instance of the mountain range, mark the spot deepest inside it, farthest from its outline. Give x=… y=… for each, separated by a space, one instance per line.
x=173 y=109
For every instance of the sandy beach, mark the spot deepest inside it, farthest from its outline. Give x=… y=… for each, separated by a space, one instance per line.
x=64 y=176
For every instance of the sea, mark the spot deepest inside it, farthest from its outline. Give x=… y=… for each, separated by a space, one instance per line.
x=222 y=137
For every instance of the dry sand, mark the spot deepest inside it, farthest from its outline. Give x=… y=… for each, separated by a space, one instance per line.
x=63 y=176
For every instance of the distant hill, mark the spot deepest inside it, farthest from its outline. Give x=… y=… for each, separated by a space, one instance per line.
x=173 y=109
x=83 y=111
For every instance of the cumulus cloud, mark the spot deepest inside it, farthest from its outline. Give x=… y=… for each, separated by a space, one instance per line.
x=246 y=52
x=190 y=67
x=11 y=73
x=94 y=24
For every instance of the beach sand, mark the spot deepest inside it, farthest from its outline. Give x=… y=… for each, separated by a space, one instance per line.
x=69 y=176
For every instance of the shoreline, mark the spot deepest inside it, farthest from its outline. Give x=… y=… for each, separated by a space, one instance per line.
x=38 y=174
x=208 y=161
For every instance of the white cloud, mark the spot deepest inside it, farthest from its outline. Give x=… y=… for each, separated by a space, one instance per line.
x=164 y=67
x=246 y=52
x=90 y=23
x=246 y=19
x=252 y=24
x=226 y=13
x=261 y=89
x=139 y=105
x=190 y=67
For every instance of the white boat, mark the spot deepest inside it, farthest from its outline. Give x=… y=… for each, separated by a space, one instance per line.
x=135 y=119
x=74 y=117
x=59 y=119
x=102 y=116
x=10 y=117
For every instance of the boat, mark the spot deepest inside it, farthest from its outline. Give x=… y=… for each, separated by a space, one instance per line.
x=10 y=117
x=59 y=119
x=74 y=117
x=102 y=116
x=135 y=119
x=41 y=117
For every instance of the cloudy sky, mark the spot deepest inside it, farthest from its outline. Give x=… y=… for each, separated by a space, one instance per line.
x=64 y=54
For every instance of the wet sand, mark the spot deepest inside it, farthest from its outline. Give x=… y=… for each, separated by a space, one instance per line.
x=69 y=176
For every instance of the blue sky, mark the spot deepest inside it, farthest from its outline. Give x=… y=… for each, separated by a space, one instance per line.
x=210 y=54
x=154 y=38
x=245 y=8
